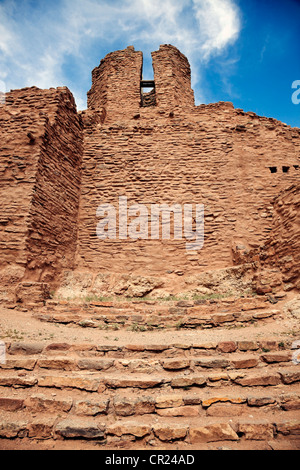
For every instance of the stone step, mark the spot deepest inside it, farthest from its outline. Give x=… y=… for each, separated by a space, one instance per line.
x=223 y=361
x=177 y=317
x=143 y=429
x=263 y=346
x=168 y=403
x=102 y=380
x=150 y=306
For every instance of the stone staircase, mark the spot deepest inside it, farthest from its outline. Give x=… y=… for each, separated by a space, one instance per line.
x=238 y=394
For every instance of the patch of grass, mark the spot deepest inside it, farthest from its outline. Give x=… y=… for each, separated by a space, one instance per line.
x=135 y=327
x=212 y=296
x=13 y=334
x=98 y=298
x=179 y=324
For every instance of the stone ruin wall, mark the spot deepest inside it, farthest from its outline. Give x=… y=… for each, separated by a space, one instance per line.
x=277 y=260
x=40 y=168
x=173 y=152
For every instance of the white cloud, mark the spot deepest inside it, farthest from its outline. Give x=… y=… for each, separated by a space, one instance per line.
x=35 y=44
x=219 y=24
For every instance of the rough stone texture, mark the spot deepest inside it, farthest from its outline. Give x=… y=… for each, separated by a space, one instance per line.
x=84 y=428
x=213 y=432
x=58 y=166
x=282 y=248
x=170 y=432
x=137 y=430
x=257 y=431
x=41 y=148
x=40 y=403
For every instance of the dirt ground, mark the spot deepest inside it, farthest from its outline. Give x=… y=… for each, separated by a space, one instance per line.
x=16 y=325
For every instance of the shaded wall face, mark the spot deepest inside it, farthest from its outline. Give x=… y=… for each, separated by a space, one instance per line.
x=284 y=244
x=52 y=235
x=18 y=166
x=40 y=181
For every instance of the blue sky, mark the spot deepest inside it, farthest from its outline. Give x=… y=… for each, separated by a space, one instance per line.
x=243 y=51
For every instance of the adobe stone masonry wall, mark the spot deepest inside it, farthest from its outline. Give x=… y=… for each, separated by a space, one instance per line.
x=172 y=76
x=52 y=235
x=277 y=260
x=214 y=155
x=40 y=181
x=116 y=84
x=57 y=166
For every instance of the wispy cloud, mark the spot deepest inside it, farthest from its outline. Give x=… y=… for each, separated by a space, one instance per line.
x=36 y=40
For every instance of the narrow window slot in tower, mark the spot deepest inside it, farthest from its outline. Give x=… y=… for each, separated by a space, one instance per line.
x=148 y=97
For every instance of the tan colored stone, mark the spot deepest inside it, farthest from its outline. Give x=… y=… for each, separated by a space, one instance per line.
x=215 y=377
x=124 y=406
x=26 y=348
x=188 y=381
x=91 y=407
x=95 y=364
x=257 y=431
x=204 y=345
x=170 y=432
x=245 y=363
x=41 y=403
x=168 y=401
x=135 y=347
x=259 y=380
x=11 y=428
x=280 y=356
x=83 y=383
x=137 y=430
x=188 y=411
x=290 y=376
x=176 y=364
x=222 y=318
x=227 y=346
x=144 y=405
x=18 y=381
x=41 y=427
x=214 y=363
x=60 y=363
x=248 y=345
x=289 y=427
x=225 y=409
x=18 y=363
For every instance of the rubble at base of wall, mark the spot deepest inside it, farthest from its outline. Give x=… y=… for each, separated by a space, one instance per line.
x=33 y=293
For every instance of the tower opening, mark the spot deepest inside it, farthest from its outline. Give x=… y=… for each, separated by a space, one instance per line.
x=148 y=96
